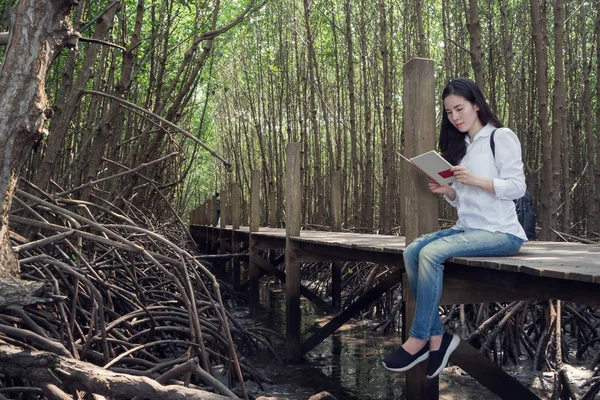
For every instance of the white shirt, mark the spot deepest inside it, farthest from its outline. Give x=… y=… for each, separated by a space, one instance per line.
x=478 y=208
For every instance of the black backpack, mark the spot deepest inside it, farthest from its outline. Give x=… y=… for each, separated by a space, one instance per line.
x=524 y=205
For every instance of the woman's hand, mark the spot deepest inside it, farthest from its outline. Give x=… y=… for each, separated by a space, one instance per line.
x=441 y=189
x=464 y=176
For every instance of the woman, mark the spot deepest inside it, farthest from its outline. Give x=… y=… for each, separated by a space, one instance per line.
x=487 y=223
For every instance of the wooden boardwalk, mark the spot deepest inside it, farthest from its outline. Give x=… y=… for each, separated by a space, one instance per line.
x=567 y=261
x=540 y=271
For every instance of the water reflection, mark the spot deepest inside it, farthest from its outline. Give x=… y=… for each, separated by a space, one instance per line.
x=346 y=364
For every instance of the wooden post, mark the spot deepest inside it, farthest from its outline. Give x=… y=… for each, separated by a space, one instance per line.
x=235 y=205
x=235 y=244
x=420 y=205
x=224 y=208
x=245 y=212
x=222 y=233
x=336 y=226
x=252 y=254
x=292 y=266
x=204 y=237
x=272 y=206
x=255 y=201
x=210 y=207
x=214 y=217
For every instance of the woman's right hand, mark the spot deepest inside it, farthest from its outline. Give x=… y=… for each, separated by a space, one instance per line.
x=440 y=189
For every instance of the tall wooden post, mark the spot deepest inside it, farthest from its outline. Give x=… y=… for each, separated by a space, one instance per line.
x=336 y=226
x=254 y=223
x=420 y=205
x=292 y=266
x=245 y=213
x=222 y=233
x=272 y=206
x=214 y=211
x=235 y=244
x=204 y=239
x=224 y=208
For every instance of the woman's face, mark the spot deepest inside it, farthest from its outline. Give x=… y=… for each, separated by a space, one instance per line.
x=462 y=114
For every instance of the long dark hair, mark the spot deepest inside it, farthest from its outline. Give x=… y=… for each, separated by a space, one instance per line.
x=452 y=141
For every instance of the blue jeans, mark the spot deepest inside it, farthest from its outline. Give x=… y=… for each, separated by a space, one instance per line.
x=424 y=262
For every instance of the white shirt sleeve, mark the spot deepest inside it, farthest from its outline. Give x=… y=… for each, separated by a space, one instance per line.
x=511 y=182
x=453 y=203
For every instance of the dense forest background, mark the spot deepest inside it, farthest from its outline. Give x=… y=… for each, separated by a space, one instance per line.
x=245 y=78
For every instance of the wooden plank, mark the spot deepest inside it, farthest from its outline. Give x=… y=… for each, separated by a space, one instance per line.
x=571 y=261
x=319 y=252
x=526 y=286
x=227 y=256
x=489 y=374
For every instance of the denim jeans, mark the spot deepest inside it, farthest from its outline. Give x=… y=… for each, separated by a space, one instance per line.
x=424 y=262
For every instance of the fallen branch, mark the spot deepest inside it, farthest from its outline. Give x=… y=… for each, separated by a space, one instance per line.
x=68 y=374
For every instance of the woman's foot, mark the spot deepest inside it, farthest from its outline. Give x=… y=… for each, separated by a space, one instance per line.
x=412 y=352
x=439 y=358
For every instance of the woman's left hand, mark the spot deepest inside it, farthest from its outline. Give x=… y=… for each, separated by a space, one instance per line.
x=464 y=176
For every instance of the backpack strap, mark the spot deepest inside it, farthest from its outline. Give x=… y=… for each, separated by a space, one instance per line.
x=492 y=144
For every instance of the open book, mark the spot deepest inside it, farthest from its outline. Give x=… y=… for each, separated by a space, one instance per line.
x=434 y=166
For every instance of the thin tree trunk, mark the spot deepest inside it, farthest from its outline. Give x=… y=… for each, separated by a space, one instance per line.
x=507 y=52
x=559 y=136
x=596 y=182
x=353 y=135
x=474 y=27
x=60 y=124
x=367 y=178
x=387 y=196
x=112 y=123
x=548 y=189
x=421 y=28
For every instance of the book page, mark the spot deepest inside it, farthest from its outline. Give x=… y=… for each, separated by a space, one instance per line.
x=434 y=166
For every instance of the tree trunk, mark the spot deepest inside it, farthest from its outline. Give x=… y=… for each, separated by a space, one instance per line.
x=353 y=135
x=507 y=52
x=367 y=178
x=66 y=107
x=387 y=195
x=39 y=31
x=558 y=116
x=474 y=28
x=596 y=182
x=112 y=122
x=540 y=41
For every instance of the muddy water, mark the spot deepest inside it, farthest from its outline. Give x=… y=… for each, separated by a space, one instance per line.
x=347 y=364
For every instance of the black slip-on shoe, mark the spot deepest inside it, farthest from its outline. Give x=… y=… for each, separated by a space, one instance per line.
x=401 y=360
x=439 y=359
